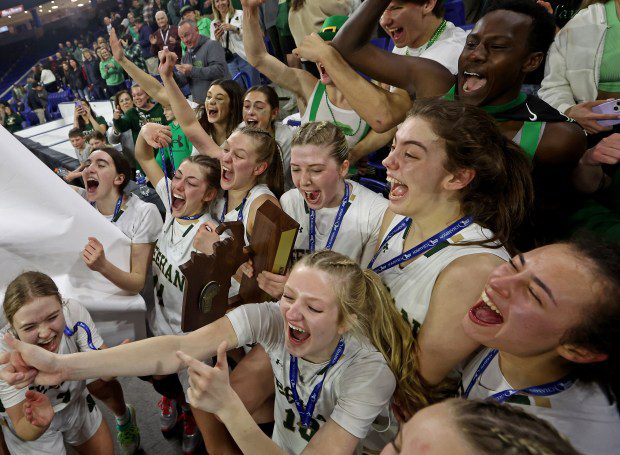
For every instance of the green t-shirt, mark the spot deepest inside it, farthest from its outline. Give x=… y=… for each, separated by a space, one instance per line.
x=135 y=118
x=111 y=72
x=181 y=147
x=13 y=122
x=88 y=128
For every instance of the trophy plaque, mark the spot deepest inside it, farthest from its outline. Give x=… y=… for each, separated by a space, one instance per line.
x=273 y=239
x=205 y=297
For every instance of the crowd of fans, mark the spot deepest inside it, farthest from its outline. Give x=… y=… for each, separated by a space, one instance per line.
x=491 y=271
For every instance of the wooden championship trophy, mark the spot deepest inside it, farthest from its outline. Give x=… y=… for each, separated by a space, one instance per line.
x=205 y=297
x=271 y=245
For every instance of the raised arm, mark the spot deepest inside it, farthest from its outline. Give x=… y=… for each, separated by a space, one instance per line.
x=418 y=76
x=297 y=81
x=382 y=109
x=148 y=83
x=151 y=356
x=184 y=114
x=144 y=150
x=371 y=143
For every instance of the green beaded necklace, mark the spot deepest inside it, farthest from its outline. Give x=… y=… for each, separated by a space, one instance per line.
x=434 y=38
x=346 y=129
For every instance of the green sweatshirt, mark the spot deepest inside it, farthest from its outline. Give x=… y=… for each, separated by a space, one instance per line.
x=181 y=147
x=88 y=128
x=111 y=71
x=135 y=118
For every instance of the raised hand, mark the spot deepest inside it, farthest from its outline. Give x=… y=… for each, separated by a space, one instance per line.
x=93 y=255
x=167 y=60
x=38 y=409
x=313 y=48
x=115 y=45
x=16 y=372
x=156 y=135
x=210 y=388
x=605 y=152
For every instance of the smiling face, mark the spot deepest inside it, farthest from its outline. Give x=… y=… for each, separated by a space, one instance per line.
x=240 y=168
x=140 y=98
x=217 y=105
x=311 y=311
x=257 y=111
x=100 y=176
x=189 y=35
x=161 y=19
x=125 y=102
x=491 y=66
x=190 y=190
x=40 y=322
x=317 y=175
x=103 y=52
x=415 y=168
x=431 y=431
x=402 y=21
x=222 y=6
x=529 y=304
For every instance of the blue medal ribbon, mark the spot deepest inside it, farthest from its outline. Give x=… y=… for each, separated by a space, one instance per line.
x=240 y=208
x=419 y=249
x=89 y=335
x=544 y=390
x=117 y=210
x=336 y=226
x=305 y=413
x=163 y=165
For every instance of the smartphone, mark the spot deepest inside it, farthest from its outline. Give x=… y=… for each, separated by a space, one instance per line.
x=610 y=107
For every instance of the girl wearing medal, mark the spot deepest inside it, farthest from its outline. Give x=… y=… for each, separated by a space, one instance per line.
x=105 y=177
x=458 y=191
x=333 y=212
x=251 y=165
x=338 y=348
x=548 y=321
x=187 y=197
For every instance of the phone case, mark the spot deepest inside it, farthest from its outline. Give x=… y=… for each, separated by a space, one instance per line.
x=610 y=107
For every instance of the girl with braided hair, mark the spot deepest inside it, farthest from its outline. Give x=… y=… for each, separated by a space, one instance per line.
x=474 y=427
x=338 y=348
x=548 y=321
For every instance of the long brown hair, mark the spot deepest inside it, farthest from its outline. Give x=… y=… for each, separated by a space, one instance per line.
x=268 y=150
x=368 y=309
x=235 y=106
x=500 y=195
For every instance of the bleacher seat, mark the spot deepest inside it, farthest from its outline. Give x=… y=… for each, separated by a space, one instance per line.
x=54 y=99
x=455 y=12
x=375 y=185
x=243 y=76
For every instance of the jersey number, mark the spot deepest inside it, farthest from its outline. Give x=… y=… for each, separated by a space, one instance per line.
x=306 y=433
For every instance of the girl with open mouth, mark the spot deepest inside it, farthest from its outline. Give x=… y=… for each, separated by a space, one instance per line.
x=336 y=343
x=260 y=110
x=548 y=324
x=458 y=191
x=43 y=419
x=187 y=195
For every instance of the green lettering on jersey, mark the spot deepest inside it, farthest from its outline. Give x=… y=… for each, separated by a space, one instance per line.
x=168 y=273
x=179 y=280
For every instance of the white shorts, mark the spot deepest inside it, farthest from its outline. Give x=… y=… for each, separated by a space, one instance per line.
x=75 y=425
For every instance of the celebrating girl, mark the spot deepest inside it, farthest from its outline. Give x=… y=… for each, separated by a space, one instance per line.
x=66 y=413
x=338 y=348
x=459 y=190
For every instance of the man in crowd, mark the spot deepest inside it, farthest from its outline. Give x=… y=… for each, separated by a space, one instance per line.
x=93 y=76
x=37 y=100
x=166 y=35
x=203 y=62
x=190 y=13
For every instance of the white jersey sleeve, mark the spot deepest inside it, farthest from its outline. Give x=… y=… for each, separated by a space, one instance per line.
x=146 y=224
x=258 y=323
x=364 y=391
